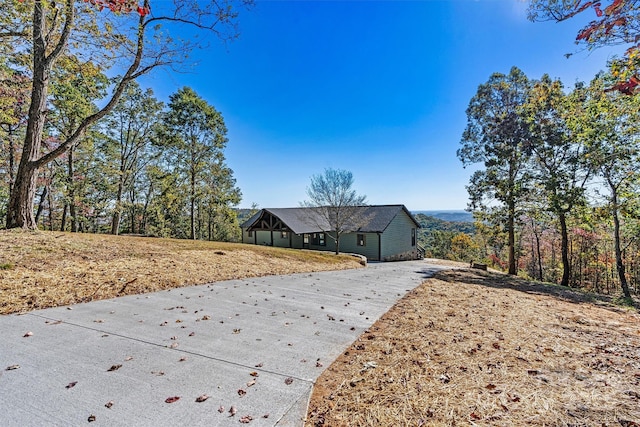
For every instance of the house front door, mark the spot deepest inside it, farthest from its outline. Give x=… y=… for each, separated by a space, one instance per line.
x=305 y=241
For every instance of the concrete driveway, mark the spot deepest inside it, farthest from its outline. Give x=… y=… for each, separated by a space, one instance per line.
x=254 y=345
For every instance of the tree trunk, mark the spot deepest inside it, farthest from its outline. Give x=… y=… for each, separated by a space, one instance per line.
x=12 y=162
x=63 y=220
x=43 y=197
x=512 y=239
x=70 y=193
x=73 y=214
x=50 y=204
x=115 y=222
x=540 y=276
x=192 y=202
x=616 y=238
x=20 y=212
x=566 y=266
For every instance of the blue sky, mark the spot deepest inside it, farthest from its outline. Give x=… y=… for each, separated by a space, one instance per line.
x=378 y=88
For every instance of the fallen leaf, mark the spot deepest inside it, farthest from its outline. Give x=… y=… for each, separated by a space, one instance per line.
x=158 y=373
x=174 y=338
x=182 y=359
x=319 y=365
x=490 y=386
x=114 y=368
x=28 y=334
x=232 y=411
x=237 y=330
x=288 y=381
x=259 y=365
x=246 y=419
x=192 y=334
x=206 y=317
x=474 y=416
x=173 y=345
x=91 y=418
x=221 y=409
x=128 y=358
x=71 y=385
x=251 y=383
x=241 y=392
x=265 y=416
x=98 y=321
x=202 y=398
x=172 y=399
x=12 y=367
x=254 y=374
x=109 y=404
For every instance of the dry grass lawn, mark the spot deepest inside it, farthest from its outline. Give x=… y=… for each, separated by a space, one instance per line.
x=47 y=269
x=476 y=348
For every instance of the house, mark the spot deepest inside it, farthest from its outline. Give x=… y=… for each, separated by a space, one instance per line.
x=386 y=233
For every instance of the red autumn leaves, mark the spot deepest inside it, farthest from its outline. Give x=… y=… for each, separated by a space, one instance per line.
x=120 y=6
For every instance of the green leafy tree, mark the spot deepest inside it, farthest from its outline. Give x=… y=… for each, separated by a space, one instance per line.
x=194 y=134
x=609 y=126
x=496 y=136
x=75 y=88
x=14 y=99
x=221 y=195
x=128 y=133
x=127 y=36
x=334 y=205
x=463 y=248
x=557 y=158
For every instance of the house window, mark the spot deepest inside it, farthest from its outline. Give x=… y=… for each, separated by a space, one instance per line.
x=250 y=233
x=362 y=240
x=284 y=234
x=318 y=239
x=413 y=237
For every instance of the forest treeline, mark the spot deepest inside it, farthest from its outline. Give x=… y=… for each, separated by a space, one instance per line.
x=555 y=190
x=145 y=168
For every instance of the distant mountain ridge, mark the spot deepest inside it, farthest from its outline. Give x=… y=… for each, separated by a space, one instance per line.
x=451 y=216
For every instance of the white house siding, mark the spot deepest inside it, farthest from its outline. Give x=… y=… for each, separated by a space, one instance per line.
x=396 y=239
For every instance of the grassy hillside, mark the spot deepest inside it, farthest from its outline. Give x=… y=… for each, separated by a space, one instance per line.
x=45 y=269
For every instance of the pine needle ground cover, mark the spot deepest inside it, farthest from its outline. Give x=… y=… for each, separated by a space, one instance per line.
x=48 y=269
x=477 y=348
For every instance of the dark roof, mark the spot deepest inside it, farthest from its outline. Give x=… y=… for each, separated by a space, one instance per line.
x=301 y=220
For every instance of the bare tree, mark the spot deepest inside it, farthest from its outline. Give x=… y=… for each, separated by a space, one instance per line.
x=334 y=206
